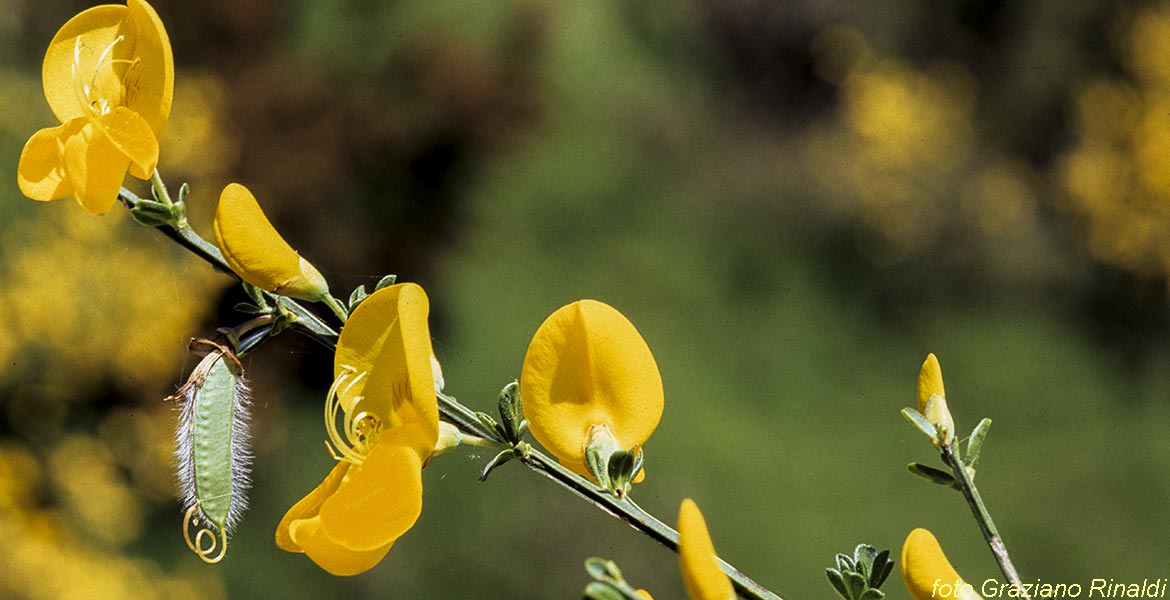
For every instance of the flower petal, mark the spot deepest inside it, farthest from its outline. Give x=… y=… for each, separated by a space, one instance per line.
x=388 y=339
x=378 y=501
x=257 y=253
x=309 y=507
x=587 y=365
x=133 y=137
x=331 y=556
x=702 y=574
x=930 y=381
x=95 y=168
x=72 y=59
x=925 y=568
x=150 y=82
x=41 y=172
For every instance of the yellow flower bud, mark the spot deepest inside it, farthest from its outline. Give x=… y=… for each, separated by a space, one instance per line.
x=932 y=399
x=927 y=572
x=587 y=368
x=256 y=252
x=702 y=573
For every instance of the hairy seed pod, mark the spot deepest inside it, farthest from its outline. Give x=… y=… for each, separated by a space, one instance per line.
x=212 y=451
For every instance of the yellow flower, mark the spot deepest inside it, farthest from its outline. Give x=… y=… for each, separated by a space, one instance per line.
x=385 y=388
x=928 y=573
x=256 y=252
x=932 y=399
x=587 y=370
x=109 y=77
x=702 y=573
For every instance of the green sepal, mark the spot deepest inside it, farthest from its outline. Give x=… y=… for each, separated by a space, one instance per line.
x=837 y=580
x=499 y=459
x=918 y=420
x=356 y=296
x=386 y=281
x=152 y=213
x=513 y=425
x=597 y=461
x=931 y=474
x=975 y=443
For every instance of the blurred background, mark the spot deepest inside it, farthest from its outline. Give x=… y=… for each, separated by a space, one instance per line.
x=793 y=201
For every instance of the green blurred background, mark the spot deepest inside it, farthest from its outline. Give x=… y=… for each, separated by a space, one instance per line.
x=793 y=201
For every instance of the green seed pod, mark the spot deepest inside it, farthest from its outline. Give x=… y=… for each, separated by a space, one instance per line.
x=213 y=451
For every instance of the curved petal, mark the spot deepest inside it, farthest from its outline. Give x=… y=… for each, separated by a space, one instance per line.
x=378 y=501
x=331 y=556
x=73 y=56
x=388 y=339
x=150 y=82
x=587 y=365
x=95 y=168
x=133 y=137
x=702 y=574
x=41 y=171
x=930 y=381
x=257 y=253
x=925 y=569
x=309 y=507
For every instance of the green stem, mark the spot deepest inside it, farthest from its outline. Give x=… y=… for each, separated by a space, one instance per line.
x=183 y=234
x=337 y=307
x=950 y=456
x=457 y=413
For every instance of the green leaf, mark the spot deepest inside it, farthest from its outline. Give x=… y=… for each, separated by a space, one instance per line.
x=916 y=419
x=152 y=213
x=872 y=594
x=356 y=296
x=837 y=580
x=845 y=564
x=257 y=295
x=597 y=590
x=511 y=413
x=386 y=281
x=184 y=191
x=856 y=583
x=248 y=308
x=880 y=569
x=499 y=460
x=975 y=444
x=598 y=568
x=931 y=474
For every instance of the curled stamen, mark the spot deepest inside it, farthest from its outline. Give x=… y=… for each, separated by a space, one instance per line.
x=349 y=449
x=84 y=90
x=205 y=544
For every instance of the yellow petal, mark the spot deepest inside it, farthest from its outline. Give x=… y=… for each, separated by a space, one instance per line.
x=702 y=573
x=41 y=172
x=387 y=338
x=930 y=381
x=150 y=82
x=72 y=59
x=132 y=136
x=95 y=168
x=256 y=252
x=644 y=594
x=378 y=501
x=309 y=507
x=331 y=556
x=927 y=572
x=587 y=365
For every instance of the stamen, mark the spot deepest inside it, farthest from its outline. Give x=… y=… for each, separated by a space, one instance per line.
x=85 y=90
x=354 y=447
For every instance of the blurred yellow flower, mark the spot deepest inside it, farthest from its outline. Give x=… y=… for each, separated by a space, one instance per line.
x=385 y=386
x=109 y=77
x=256 y=252
x=702 y=573
x=928 y=573
x=587 y=370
